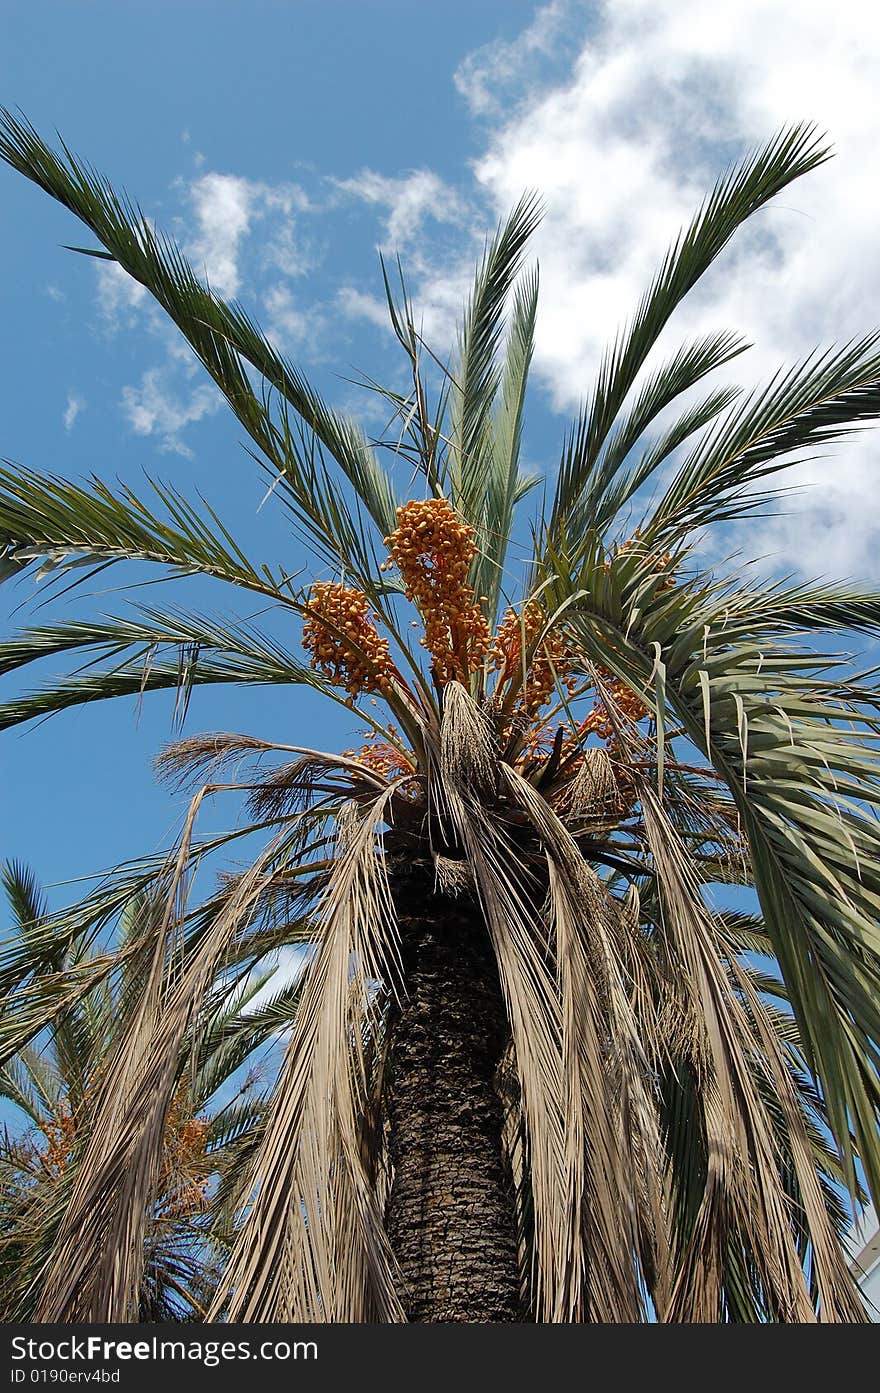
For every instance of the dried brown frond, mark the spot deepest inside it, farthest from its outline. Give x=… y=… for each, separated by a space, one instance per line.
x=284 y=791
x=95 y=1267
x=839 y=1300
x=534 y=1011
x=744 y=1195
x=313 y=1245
x=592 y=803
x=581 y=1268
x=468 y=745
x=188 y=762
x=454 y=878
x=611 y=1106
x=594 y=786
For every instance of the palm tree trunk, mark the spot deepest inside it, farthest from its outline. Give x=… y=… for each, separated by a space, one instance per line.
x=450 y=1214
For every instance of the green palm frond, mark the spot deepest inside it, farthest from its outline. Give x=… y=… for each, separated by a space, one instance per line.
x=503 y=484
x=478 y=375
x=736 y=196
x=610 y=485
x=136 y=647
x=243 y=1030
x=28 y=1081
x=777 y=608
x=811 y=406
x=22 y=893
x=62 y=524
x=224 y=339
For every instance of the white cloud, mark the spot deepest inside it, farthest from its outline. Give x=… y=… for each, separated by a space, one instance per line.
x=502 y=71
x=408 y=201
x=74 y=406
x=226 y=206
x=56 y=294
x=662 y=94
x=285 y=249
x=154 y=408
x=223 y=205
x=287 y=325
x=119 y=295
x=356 y=304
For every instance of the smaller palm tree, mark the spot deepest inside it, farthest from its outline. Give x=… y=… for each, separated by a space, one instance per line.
x=212 y=1125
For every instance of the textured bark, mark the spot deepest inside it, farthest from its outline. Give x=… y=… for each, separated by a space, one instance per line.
x=450 y=1214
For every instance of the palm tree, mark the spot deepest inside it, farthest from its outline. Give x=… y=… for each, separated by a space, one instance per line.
x=545 y=1064
x=212 y=1125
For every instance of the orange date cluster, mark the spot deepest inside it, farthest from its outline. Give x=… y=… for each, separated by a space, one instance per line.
x=345 y=644
x=546 y=663
x=433 y=549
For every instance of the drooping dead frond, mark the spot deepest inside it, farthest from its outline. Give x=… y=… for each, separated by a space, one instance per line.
x=468 y=744
x=838 y=1299
x=313 y=1246
x=594 y=785
x=283 y=791
x=198 y=758
x=617 y=1161
x=508 y=902
x=454 y=878
x=743 y=1200
x=584 y=1232
x=189 y=761
x=592 y=802
x=94 y=1270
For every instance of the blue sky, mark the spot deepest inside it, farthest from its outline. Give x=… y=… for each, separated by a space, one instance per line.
x=283 y=143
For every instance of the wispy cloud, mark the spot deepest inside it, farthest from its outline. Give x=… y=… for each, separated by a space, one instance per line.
x=74 y=406
x=287 y=325
x=357 y=304
x=223 y=205
x=504 y=71
x=119 y=295
x=157 y=408
x=408 y=200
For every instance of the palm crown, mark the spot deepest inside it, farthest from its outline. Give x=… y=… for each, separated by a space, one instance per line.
x=568 y=763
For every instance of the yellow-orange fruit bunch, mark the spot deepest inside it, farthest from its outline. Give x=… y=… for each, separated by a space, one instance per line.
x=383 y=758
x=664 y=563
x=186 y=1170
x=598 y=722
x=618 y=547
x=433 y=549
x=550 y=662
x=347 y=611
x=538 y=743
x=185 y=1173
x=60 y=1136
